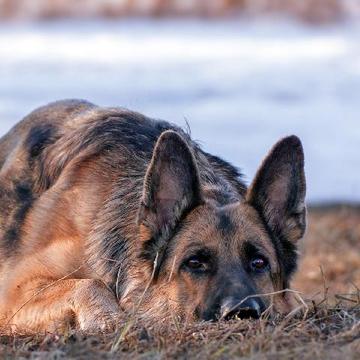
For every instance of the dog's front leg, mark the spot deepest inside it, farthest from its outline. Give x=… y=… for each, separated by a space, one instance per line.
x=86 y=304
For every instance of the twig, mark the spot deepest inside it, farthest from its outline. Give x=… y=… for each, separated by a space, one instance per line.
x=345 y=298
x=172 y=269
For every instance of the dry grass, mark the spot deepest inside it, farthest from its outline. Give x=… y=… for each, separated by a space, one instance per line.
x=330 y=252
x=329 y=330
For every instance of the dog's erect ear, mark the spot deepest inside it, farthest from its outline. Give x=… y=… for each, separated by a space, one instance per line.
x=171 y=189
x=278 y=191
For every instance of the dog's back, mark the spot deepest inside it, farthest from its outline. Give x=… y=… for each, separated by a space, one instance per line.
x=20 y=166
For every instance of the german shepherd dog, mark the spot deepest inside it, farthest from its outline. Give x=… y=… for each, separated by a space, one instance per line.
x=104 y=210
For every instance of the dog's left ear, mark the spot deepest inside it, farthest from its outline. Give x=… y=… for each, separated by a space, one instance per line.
x=278 y=191
x=171 y=188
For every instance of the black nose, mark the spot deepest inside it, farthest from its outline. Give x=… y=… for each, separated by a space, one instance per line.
x=249 y=308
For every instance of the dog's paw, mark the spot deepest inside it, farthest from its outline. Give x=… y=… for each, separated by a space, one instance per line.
x=96 y=307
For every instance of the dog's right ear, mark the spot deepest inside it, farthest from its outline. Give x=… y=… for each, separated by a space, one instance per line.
x=171 y=189
x=278 y=191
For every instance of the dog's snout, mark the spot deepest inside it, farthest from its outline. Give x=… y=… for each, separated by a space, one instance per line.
x=244 y=309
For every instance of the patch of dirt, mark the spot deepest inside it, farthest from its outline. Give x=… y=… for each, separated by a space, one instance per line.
x=330 y=259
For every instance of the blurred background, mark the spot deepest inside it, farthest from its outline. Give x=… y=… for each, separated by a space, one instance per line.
x=242 y=73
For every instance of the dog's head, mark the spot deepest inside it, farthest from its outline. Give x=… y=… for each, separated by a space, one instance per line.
x=214 y=261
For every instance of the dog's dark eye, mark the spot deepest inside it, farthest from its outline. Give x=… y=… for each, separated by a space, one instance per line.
x=259 y=264
x=200 y=262
x=196 y=264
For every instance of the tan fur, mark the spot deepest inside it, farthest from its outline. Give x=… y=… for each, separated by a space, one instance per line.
x=55 y=275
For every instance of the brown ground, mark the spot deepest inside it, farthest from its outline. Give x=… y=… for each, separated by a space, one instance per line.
x=315 y=11
x=330 y=252
x=329 y=277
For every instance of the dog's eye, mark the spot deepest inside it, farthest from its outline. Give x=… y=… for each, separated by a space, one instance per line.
x=259 y=264
x=196 y=264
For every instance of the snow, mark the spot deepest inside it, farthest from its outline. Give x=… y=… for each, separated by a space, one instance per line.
x=241 y=85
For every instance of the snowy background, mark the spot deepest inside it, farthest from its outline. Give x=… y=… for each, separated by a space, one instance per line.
x=240 y=84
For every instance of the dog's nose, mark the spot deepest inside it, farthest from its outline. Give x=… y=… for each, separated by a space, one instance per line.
x=249 y=308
